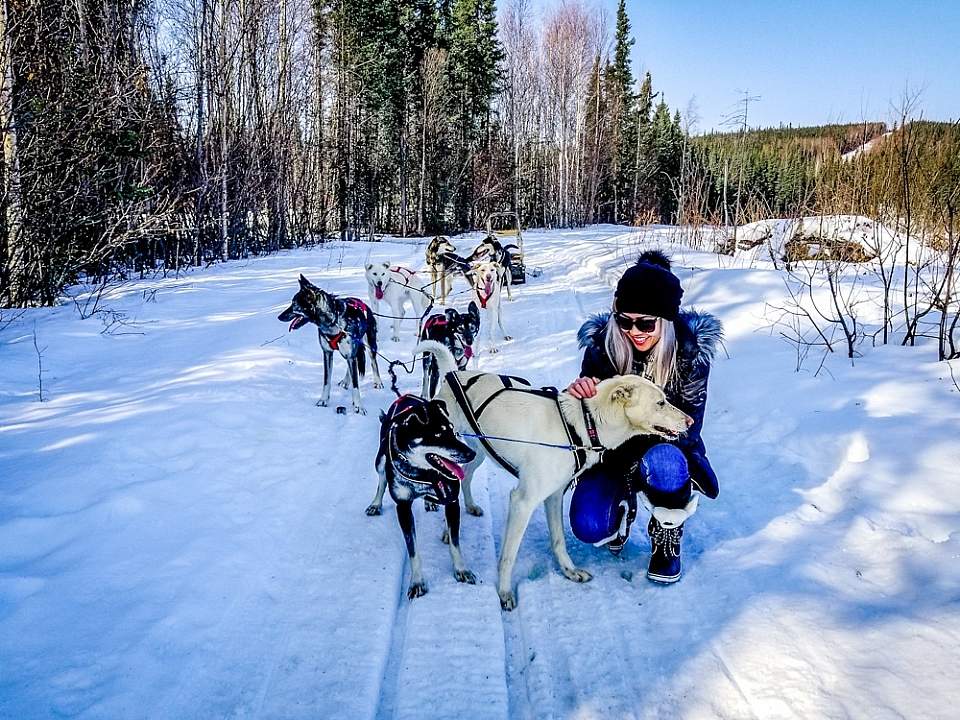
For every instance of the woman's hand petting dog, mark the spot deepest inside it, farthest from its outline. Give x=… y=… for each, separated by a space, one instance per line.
x=585 y=387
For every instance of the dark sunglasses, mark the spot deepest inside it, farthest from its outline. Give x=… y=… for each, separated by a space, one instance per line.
x=644 y=324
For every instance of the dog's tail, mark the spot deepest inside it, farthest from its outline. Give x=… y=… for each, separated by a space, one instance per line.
x=362 y=360
x=445 y=360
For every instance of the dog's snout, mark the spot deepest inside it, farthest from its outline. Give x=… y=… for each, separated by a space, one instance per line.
x=688 y=420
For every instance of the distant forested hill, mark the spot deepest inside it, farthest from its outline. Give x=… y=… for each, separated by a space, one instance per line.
x=854 y=168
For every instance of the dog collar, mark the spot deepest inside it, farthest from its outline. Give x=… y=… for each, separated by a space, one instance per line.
x=591 y=428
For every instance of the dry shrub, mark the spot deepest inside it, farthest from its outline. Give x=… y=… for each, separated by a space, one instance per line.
x=807 y=247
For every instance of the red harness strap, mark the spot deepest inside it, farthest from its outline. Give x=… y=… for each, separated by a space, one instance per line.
x=335 y=340
x=434 y=321
x=404 y=271
x=357 y=304
x=483 y=300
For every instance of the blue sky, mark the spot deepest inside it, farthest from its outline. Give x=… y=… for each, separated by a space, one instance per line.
x=810 y=62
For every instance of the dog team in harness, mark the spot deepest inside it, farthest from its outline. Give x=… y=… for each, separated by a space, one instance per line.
x=624 y=436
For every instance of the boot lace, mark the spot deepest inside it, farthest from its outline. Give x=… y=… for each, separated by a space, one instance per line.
x=666 y=538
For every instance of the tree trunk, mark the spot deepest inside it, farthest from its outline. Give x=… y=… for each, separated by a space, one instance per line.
x=16 y=262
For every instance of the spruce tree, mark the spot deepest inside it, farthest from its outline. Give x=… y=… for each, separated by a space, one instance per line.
x=622 y=105
x=474 y=65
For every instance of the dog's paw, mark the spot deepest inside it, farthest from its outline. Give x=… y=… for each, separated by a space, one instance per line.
x=374 y=510
x=345 y=384
x=577 y=575
x=416 y=590
x=508 y=338
x=465 y=576
x=494 y=350
x=475 y=510
x=378 y=386
x=323 y=403
x=395 y=338
x=359 y=409
x=445 y=538
x=508 y=601
x=430 y=506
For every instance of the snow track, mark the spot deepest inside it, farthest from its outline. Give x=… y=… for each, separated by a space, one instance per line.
x=182 y=532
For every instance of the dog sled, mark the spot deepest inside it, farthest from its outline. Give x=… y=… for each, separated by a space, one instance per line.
x=505 y=226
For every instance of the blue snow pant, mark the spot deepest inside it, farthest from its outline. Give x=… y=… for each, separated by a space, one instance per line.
x=598 y=503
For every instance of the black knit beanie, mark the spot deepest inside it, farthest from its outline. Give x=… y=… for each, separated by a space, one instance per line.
x=649 y=288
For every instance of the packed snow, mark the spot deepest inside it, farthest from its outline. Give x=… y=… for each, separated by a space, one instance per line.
x=182 y=530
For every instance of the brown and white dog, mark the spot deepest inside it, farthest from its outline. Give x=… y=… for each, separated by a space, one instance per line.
x=444 y=264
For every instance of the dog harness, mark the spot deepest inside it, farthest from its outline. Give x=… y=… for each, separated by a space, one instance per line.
x=439 y=321
x=406 y=272
x=354 y=304
x=438 y=489
x=484 y=299
x=357 y=304
x=510 y=383
x=335 y=340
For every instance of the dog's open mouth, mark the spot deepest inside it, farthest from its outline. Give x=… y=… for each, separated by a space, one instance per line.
x=298 y=321
x=378 y=291
x=447 y=468
x=666 y=432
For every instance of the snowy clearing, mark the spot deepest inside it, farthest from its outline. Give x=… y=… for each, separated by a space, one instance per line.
x=182 y=532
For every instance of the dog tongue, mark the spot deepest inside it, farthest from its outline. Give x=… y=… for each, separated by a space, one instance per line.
x=454 y=469
x=468 y=351
x=294 y=324
x=488 y=287
x=378 y=290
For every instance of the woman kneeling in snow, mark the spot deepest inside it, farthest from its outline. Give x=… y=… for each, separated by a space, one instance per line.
x=647 y=334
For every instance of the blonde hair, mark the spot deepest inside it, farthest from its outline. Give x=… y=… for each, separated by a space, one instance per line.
x=661 y=367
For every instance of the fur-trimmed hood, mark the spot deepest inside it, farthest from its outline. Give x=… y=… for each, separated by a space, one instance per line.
x=698 y=334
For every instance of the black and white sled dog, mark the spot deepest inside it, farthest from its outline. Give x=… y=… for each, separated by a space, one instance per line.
x=457 y=332
x=397 y=286
x=623 y=407
x=488 y=288
x=345 y=325
x=420 y=456
x=493 y=249
x=444 y=265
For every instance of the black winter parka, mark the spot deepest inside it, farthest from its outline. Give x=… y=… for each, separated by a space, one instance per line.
x=697 y=336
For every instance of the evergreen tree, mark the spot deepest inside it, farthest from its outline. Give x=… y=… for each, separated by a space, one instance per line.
x=623 y=125
x=474 y=62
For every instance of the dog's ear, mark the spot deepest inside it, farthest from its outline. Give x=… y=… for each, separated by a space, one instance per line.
x=622 y=395
x=386 y=265
x=473 y=310
x=369 y=266
x=451 y=315
x=304 y=283
x=441 y=406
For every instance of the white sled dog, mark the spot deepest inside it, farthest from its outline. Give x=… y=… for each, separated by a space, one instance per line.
x=396 y=286
x=488 y=289
x=623 y=407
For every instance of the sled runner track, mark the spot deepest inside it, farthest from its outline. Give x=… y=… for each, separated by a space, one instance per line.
x=386 y=703
x=448 y=644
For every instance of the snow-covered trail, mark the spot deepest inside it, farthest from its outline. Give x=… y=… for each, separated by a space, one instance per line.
x=182 y=532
